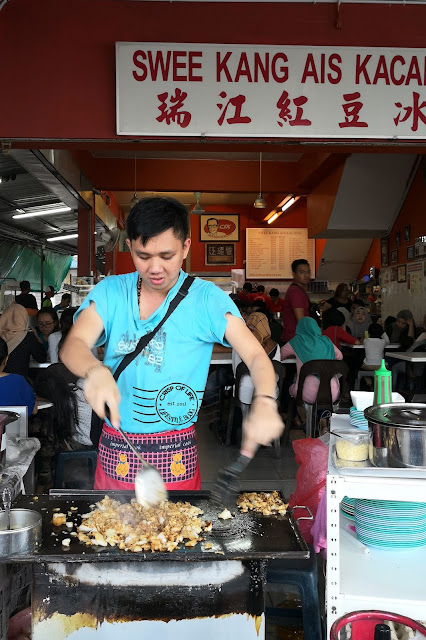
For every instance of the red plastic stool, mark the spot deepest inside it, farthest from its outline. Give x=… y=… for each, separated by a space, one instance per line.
x=364 y=622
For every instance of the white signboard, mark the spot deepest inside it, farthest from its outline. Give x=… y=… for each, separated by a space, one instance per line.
x=270 y=252
x=270 y=91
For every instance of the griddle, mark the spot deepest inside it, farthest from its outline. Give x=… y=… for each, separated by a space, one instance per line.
x=248 y=536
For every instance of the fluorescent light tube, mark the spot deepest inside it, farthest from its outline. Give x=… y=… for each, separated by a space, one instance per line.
x=272 y=218
x=69 y=237
x=41 y=212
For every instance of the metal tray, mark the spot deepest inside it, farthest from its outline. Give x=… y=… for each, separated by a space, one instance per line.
x=248 y=536
x=365 y=468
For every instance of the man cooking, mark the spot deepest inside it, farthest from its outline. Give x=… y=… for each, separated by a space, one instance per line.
x=158 y=395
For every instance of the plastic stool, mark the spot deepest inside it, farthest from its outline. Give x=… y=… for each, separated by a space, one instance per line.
x=362 y=374
x=91 y=455
x=303 y=574
x=364 y=622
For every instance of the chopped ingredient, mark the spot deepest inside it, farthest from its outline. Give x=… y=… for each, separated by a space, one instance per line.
x=69 y=525
x=225 y=515
x=74 y=508
x=66 y=542
x=267 y=503
x=58 y=519
x=132 y=527
x=208 y=545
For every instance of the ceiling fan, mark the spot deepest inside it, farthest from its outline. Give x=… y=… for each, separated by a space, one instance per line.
x=198 y=210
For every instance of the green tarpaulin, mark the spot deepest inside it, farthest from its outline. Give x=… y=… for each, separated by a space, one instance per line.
x=18 y=262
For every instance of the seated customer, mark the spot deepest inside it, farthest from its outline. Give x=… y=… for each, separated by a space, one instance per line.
x=401 y=331
x=374 y=347
x=15 y=391
x=259 y=326
x=21 y=343
x=56 y=339
x=47 y=323
x=308 y=344
x=332 y=327
x=276 y=304
x=359 y=323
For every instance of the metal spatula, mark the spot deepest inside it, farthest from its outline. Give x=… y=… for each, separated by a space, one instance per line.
x=225 y=490
x=149 y=486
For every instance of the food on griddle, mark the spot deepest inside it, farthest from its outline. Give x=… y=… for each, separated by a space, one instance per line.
x=225 y=515
x=132 y=527
x=58 y=519
x=66 y=542
x=267 y=503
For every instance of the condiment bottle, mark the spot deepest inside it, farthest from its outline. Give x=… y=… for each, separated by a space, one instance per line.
x=366 y=334
x=382 y=385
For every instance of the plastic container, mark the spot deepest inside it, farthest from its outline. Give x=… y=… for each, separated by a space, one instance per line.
x=352 y=445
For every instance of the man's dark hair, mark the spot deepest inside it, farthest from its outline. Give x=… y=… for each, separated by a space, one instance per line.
x=260 y=288
x=52 y=289
x=4 y=351
x=274 y=293
x=296 y=264
x=66 y=296
x=24 y=285
x=375 y=330
x=359 y=302
x=215 y=219
x=152 y=216
x=248 y=286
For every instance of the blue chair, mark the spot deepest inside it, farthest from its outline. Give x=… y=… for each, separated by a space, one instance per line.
x=302 y=574
x=62 y=457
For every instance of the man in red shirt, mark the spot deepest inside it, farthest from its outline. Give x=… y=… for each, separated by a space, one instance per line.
x=296 y=302
x=276 y=303
x=260 y=294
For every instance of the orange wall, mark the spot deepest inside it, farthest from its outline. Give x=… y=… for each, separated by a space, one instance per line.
x=413 y=213
x=249 y=217
x=372 y=259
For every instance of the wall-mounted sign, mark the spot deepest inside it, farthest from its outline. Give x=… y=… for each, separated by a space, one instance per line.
x=270 y=252
x=217 y=227
x=223 y=253
x=270 y=91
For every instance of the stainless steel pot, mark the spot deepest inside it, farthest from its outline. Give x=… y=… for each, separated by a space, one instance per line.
x=397 y=435
x=24 y=535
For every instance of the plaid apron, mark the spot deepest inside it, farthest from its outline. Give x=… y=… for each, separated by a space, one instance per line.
x=173 y=453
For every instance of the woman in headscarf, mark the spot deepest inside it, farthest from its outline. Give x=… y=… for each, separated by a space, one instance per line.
x=359 y=323
x=21 y=342
x=308 y=344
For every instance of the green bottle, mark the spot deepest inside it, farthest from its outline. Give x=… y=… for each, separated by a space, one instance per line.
x=382 y=385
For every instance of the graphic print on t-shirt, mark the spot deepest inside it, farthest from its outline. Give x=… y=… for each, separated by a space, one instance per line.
x=176 y=404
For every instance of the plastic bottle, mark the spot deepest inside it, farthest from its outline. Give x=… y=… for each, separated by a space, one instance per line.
x=382 y=385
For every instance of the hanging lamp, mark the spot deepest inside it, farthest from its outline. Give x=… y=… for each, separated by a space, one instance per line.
x=135 y=198
x=260 y=203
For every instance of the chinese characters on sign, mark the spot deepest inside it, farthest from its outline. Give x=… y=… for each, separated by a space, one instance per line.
x=223 y=253
x=249 y=90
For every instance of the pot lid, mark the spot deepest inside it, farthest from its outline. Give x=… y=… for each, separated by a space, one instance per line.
x=398 y=414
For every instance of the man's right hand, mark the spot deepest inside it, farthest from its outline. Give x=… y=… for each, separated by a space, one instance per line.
x=100 y=389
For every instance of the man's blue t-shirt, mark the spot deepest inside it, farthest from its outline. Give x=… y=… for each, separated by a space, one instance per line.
x=15 y=391
x=162 y=388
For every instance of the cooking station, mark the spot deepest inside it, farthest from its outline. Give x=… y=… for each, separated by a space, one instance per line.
x=81 y=592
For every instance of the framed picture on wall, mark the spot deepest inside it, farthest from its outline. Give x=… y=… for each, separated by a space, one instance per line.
x=394 y=256
x=217 y=227
x=407 y=233
x=410 y=252
x=222 y=253
x=397 y=238
x=402 y=273
x=384 y=251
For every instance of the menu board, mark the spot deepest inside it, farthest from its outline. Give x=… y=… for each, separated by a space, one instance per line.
x=270 y=252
